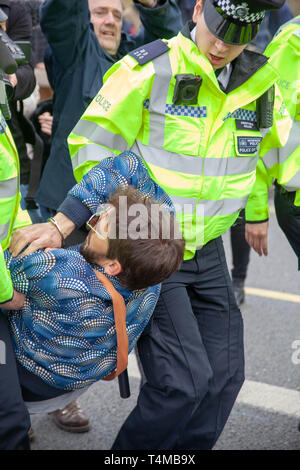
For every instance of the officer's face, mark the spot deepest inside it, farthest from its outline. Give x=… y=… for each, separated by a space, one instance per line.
x=217 y=52
x=106 y=17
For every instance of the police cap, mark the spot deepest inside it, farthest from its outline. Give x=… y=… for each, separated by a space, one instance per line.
x=237 y=21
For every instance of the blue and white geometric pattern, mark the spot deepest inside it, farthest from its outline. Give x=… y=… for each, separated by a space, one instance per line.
x=65 y=333
x=3 y=125
x=182 y=110
x=244 y=114
x=193 y=111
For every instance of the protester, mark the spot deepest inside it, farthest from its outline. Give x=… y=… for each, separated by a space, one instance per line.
x=64 y=335
x=85 y=39
x=192 y=351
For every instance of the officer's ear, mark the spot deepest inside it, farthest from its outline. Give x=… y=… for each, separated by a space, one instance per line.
x=197 y=10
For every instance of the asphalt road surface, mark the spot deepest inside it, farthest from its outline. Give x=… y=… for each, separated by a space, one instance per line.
x=267 y=411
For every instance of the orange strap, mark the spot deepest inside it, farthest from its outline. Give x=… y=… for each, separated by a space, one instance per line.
x=119 y=310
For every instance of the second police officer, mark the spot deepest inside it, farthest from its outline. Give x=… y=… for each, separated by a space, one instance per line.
x=282 y=164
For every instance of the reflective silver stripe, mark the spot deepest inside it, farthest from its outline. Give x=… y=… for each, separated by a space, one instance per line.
x=271 y=158
x=90 y=153
x=4 y=229
x=158 y=99
x=292 y=143
x=211 y=208
x=194 y=165
x=294 y=183
x=9 y=187
x=99 y=135
x=282 y=154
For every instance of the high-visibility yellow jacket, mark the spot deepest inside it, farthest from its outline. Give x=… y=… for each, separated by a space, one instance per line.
x=282 y=164
x=11 y=215
x=203 y=155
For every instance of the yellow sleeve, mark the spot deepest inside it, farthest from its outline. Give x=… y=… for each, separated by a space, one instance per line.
x=22 y=219
x=257 y=209
x=6 y=287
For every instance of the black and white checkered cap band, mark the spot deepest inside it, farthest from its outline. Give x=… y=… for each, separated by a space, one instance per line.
x=240 y=12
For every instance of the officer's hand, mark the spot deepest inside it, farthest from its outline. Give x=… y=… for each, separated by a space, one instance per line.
x=16 y=303
x=36 y=236
x=257 y=237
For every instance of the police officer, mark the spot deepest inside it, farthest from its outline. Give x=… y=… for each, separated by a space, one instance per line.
x=280 y=164
x=13 y=426
x=198 y=109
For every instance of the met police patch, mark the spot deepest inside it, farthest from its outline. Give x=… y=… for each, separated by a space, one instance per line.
x=149 y=52
x=248 y=145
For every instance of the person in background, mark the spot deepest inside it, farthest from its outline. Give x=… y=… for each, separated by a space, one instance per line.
x=187 y=9
x=85 y=40
x=19 y=27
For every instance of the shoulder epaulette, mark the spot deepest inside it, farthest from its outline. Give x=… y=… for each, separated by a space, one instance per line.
x=149 y=52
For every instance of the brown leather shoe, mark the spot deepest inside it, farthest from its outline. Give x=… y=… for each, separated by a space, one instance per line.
x=71 y=418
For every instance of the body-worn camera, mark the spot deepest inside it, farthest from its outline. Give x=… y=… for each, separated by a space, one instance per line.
x=186 y=89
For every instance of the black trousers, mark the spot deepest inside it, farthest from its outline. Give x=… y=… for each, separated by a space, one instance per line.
x=288 y=217
x=193 y=359
x=14 y=417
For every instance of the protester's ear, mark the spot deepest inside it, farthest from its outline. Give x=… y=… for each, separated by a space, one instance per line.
x=113 y=267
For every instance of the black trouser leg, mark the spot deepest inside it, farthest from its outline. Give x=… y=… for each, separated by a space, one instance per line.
x=192 y=356
x=240 y=250
x=14 y=417
x=288 y=217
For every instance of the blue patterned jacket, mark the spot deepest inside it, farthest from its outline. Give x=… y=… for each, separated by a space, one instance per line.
x=65 y=333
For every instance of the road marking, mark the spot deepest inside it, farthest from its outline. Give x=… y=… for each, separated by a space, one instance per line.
x=257 y=394
x=270 y=398
x=272 y=294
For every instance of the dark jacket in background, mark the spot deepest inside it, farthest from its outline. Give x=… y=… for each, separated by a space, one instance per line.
x=19 y=27
x=75 y=65
x=271 y=23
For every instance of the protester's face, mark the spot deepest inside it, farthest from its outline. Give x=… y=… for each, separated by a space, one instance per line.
x=106 y=17
x=217 y=52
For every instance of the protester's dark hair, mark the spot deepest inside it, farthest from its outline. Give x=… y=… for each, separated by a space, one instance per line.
x=154 y=251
